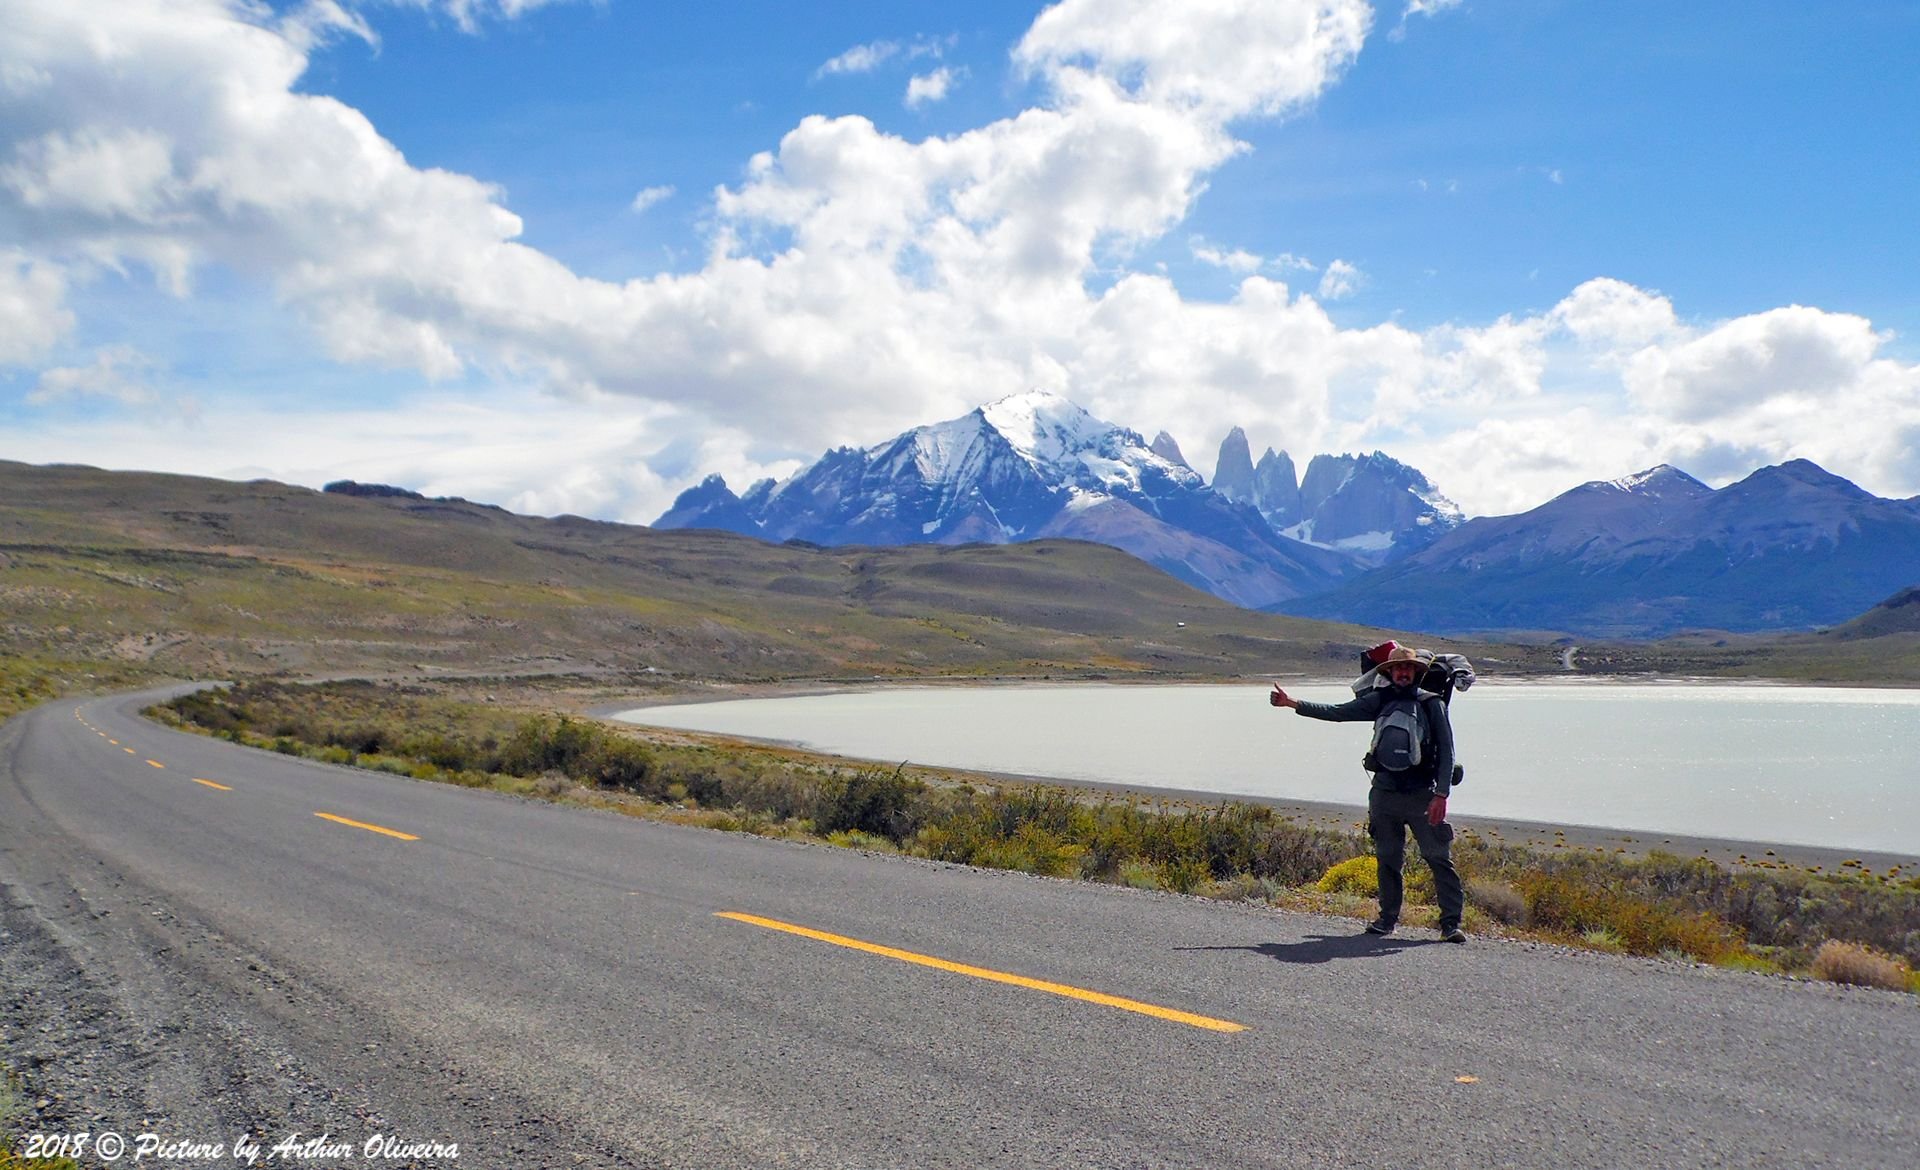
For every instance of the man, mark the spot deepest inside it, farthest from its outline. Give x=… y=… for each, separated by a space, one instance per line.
x=1412 y=766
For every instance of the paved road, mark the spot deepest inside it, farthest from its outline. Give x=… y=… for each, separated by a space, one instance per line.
x=548 y=986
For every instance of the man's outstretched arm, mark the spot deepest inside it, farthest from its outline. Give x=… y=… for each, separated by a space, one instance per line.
x=1365 y=707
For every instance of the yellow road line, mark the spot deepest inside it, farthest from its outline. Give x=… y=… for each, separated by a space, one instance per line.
x=130 y=751
x=156 y=763
x=1131 y=1005
x=367 y=827
x=211 y=784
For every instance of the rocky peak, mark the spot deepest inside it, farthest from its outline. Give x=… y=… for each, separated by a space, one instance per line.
x=1276 y=489
x=1164 y=446
x=1233 y=470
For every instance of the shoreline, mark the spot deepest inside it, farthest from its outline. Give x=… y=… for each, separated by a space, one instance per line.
x=1546 y=836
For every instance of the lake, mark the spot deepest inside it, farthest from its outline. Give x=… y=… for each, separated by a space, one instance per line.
x=1834 y=767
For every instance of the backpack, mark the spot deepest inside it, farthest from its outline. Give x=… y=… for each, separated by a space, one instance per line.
x=1402 y=740
x=1444 y=674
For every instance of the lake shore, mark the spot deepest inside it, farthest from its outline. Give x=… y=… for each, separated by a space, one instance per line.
x=1546 y=836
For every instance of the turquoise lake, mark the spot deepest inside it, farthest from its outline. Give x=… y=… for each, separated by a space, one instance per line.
x=1836 y=767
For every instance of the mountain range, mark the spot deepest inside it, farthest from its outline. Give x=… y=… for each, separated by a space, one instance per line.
x=1036 y=465
x=1361 y=538
x=1788 y=547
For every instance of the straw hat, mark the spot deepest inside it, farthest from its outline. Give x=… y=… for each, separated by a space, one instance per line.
x=1401 y=654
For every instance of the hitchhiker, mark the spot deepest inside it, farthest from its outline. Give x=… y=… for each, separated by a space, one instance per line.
x=1412 y=764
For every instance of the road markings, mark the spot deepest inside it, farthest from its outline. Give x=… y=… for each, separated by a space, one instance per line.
x=156 y=763
x=211 y=784
x=1130 y=1005
x=367 y=827
x=130 y=751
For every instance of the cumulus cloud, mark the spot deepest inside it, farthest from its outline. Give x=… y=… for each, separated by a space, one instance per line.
x=1238 y=260
x=856 y=282
x=1222 y=59
x=1340 y=280
x=929 y=87
x=1611 y=380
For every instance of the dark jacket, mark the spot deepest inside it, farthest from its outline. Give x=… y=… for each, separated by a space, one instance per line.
x=1367 y=708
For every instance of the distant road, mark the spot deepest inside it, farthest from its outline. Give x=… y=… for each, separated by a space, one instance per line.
x=258 y=941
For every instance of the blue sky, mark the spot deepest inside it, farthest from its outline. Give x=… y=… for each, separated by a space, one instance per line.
x=1518 y=245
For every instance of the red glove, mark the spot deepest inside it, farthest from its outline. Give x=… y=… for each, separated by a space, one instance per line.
x=1437 y=811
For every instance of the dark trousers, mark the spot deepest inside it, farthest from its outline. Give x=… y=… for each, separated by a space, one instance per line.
x=1389 y=815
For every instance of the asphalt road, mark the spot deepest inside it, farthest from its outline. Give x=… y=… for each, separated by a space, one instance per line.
x=202 y=940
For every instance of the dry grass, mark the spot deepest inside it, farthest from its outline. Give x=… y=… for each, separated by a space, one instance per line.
x=1851 y=963
x=1498 y=900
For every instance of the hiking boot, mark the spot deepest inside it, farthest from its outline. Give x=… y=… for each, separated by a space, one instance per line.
x=1455 y=935
x=1379 y=926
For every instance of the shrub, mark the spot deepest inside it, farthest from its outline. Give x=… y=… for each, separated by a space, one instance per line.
x=1356 y=875
x=1183 y=875
x=1845 y=962
x=869 y=801
x=1644 y=925
x=1498 y=900
x=854 y=839
x=1360 y=876
x=1140 y=875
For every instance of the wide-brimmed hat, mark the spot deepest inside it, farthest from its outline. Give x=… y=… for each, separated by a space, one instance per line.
x=1401 y=654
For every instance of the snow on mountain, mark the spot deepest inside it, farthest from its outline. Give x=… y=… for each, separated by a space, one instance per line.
x=1788 y=547
x=1025 y=466
x=1371 y=505
x=1276 y=489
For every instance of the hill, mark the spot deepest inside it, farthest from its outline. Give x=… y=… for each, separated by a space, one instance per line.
x=206 y=577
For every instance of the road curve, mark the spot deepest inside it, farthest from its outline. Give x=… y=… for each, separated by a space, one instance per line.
x=202 y=940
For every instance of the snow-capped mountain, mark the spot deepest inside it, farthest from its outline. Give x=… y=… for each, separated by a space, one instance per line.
x=1791 y=546
x=1029 y=466
x=1371 y=507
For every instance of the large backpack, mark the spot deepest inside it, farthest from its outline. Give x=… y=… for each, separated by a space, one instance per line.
x=1402 y=746
x=1442 y=676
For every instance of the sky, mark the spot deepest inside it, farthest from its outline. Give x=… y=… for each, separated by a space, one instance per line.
x=570 y=256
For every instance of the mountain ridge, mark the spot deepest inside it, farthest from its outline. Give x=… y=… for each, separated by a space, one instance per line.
x=1037 y=464
x=1791 y=546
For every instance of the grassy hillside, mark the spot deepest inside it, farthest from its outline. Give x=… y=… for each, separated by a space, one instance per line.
x=206 y=577
x=136 y=575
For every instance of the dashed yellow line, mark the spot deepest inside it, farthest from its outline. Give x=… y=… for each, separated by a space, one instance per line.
x=1062 y=989
x=211 y=784
x=367 y=827
x=156 y=763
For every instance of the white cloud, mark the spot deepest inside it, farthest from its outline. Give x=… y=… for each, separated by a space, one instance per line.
x=1419 y=8
x=117 y=372
x=650 y=197
x=856 y=283
x=1340 y=280
x=1222 y=59
x=1782 y=359
x=860 y=59
x=33 y=312
x=1238 y=260
x=930 y=87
